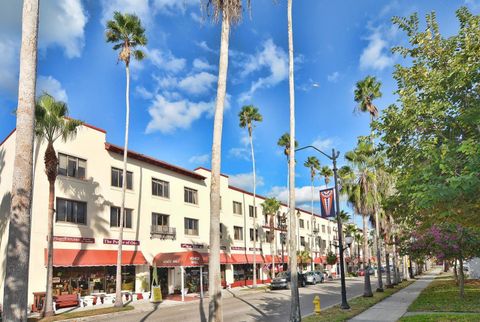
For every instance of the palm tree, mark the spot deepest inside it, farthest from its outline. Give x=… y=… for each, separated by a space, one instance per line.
x=18 y=246
x=51 y=123
x=248 y=115
x=314 y=165
x=125 y=31
x=295 y=297
x=365 y=92
x=303 y=257
x=270 y=207
x=230 y=12
x=326 y=173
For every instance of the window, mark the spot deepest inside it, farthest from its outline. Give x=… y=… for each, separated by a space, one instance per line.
x=302 y=241
x=237 y=207
x=71 y=166
x=190 y=196
x=222 y=231
x=250 y=211
x=71 y=211
x=115 y=217
x=159 y=219
x=329 y=230
x=308 y=224
x=251 y=234
x=301 y=223
x=323 y=228
x=237 y=233
x=191 y=226
x=117 y=178
x=160 y=188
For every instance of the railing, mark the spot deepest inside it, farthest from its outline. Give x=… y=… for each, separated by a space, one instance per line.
x=163 y=232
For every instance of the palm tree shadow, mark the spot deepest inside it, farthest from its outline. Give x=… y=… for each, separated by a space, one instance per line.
x=155 y=307
x=203 y=317
x=2 y=162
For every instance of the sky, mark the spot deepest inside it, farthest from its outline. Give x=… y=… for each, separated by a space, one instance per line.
x=173 y=90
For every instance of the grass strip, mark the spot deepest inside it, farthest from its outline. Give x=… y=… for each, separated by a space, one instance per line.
x=442 y=317
x=357 y=306
x=82 y=314
x=442 y=295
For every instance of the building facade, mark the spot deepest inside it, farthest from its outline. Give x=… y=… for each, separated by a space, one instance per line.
x=166 y=222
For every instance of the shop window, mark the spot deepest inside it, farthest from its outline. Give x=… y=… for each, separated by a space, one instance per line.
x=115 y=217
x=237 y=233
x=191 y=196
x=191 y=226
x=250 y=211
x=301 y=223
x=71 y=166
x=160 y=188
x=117 y=178
x=237 y=208
x=71 y=211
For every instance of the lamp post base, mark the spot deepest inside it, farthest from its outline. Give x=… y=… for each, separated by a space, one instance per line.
x=345 y=306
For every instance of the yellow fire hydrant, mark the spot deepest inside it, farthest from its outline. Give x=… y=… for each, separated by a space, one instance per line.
x=316 y=305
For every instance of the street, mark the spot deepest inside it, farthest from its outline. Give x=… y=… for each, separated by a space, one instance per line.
x=258 y=306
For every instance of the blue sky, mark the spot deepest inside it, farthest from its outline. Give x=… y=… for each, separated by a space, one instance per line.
x=336 y=44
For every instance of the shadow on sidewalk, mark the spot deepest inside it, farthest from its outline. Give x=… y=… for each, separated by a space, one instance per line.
x=155 y=307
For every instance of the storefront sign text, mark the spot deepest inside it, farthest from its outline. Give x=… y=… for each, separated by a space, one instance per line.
x=69 y=239
x=195 y=246
x=124 y=242
x=237 y=248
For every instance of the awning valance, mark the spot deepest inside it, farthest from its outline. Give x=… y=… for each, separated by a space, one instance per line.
x=94 y=257
x=186 y=259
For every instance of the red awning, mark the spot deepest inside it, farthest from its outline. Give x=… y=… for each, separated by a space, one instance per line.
x=320 y=260
x=224 y=258
x=259 y=259
x=239 y=259
x=94 y=257
x=278 y=259
x=186 y=259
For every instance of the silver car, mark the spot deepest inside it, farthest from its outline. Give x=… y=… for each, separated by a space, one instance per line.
x=313 y=278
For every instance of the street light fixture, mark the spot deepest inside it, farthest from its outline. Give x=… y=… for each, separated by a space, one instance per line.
x=333 y=158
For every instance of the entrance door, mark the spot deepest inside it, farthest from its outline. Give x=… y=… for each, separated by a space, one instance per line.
x=162 y=274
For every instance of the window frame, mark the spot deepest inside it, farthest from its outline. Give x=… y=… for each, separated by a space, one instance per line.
x=301 y=223
x=120 y=179
x=162 y=184
x=250 y=211
x=236 y=230
x=188 y=230
x=186 y=190
x=77 y=162
x=66 y=215
x=127 y=211
x=240 y=205
x=158 y=215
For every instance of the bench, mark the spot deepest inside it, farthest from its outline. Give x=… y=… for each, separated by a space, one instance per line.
x=67 y=300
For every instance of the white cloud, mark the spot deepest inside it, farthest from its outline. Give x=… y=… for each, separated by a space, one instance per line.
x=200 y=159
x=169 y=115
x=166 y=60
x=48 y=84
x=308 y=85
x=203 y=45
x=196 y=17
x=333 y=77
x=143 y=92
x=202 y=64
x=197 y=83
x=302 y=194
x=376 y=55
x=323 y=144
x=245 y=180
x=140 y=8
x=239 y=153
x=174 y=6
x=270 y=57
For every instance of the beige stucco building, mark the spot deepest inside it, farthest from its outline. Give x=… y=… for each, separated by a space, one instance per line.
x=167 y=221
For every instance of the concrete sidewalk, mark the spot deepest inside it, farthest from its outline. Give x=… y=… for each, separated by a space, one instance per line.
x=394 y=307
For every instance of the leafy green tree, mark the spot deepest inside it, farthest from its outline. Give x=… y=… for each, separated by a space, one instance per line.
x=52 y=123
x=126 y=33
x=248 y=115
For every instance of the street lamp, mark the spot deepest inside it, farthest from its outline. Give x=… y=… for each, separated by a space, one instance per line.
x=333 y=158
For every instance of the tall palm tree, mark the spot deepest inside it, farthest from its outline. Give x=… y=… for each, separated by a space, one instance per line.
x=15 y=296
x=295 y=297
x=314 y=165
x=125 y=31
x=51 y=123
x=365 y=92
x=230 y=12
x=326 y=172
x=248 y=115
x=270 y=207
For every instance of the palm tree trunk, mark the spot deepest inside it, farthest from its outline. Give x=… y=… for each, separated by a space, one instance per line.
x=254 y=285
x=455 y=272
x=48 y=309
x=461 y=278
x=295 y=298
x=214 y=282
x=15 y=290
x=388 y=283
x=396 y=279
x=311 y=227
x=367 y=287
x=118 y=286
x=377 y=245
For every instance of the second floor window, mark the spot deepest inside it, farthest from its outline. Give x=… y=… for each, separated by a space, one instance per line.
x=115 y=217
x=71 y=166
x=159 y=219
x=237 y=208
x=117 y=178
x=191 y=226
x=302 y=240
x=251 y=234
x=160 y=188
x=323 y=228
x=191 y=196
x=250 y=211
x=71 y=211
x=237 y=233
x=301 y=223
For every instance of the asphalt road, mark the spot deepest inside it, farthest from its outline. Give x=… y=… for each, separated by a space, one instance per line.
x=258 y=306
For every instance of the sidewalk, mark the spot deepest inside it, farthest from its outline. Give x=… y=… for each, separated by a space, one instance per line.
x=394 y=307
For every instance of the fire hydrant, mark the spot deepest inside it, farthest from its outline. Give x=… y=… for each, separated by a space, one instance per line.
x=316 y=305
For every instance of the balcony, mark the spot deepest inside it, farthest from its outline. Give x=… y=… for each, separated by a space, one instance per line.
x=163 y=232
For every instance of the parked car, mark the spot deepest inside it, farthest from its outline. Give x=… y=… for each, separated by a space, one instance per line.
x=313 y=278
x=361 y=271
x=282 y=280
x=322 y=275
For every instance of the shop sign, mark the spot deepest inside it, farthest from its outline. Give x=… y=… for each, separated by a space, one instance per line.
x=251 y=249
x=56 y=280
x=124 y=242
x=237 y=248
x=70 y=239
x=223 y=247
x=194 y=246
